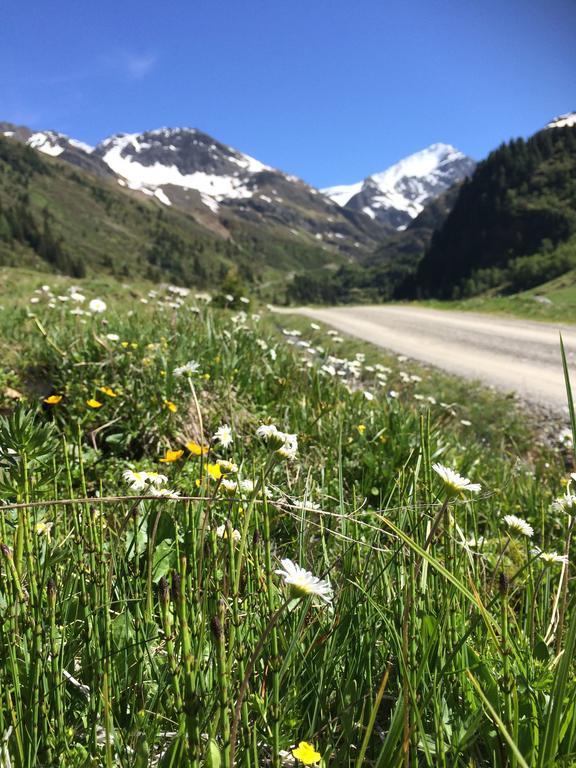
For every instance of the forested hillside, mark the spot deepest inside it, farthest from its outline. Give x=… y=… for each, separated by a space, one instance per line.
x=55 y=217
x=511 y=224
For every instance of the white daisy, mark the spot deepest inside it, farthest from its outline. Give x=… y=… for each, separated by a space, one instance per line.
x=271 y=435
x=97 y=305
x=188 y=368
x=550 y=558
x=222 y=533
x=454 y=482
x=136 y=480
x=155 y=478
x=164 y=493
x=518 y=525
x=223 y=435
x=302 y=583
x=566 y=503
x=289 y=448
x=227 y=467
x=228 y=486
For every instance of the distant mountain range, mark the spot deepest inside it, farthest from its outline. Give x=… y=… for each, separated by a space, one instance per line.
x=177 y=203
x=190 y=170
x=216 y=185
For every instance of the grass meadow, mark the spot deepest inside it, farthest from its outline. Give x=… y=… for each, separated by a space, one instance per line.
x=233 y=538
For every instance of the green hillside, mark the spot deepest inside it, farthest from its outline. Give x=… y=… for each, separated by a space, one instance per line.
x=512 y=223
x=57 y=218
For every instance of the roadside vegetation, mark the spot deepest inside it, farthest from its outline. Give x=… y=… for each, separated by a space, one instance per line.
x=233 y=538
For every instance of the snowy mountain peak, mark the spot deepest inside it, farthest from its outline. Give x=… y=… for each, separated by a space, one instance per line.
x=398 y=194
x=563 y=121
x=181 y=157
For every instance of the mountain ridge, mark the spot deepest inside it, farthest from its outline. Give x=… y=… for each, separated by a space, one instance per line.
x=397 y=195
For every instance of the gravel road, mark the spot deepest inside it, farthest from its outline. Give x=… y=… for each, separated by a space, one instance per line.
x=513 y=355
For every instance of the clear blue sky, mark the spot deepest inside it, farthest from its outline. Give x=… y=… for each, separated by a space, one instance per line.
x=329 y=90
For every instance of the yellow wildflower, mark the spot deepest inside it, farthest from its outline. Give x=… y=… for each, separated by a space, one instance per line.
x=108 y=391
x=197 y=450
x=172 y=407
x=306 y=753
x=125 y=344
x=92 y=403
x=214 y=471
x=53 y=399
x=361 y=428
x=170 y=456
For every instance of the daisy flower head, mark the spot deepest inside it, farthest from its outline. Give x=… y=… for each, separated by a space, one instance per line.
x=289 y=448
x=229 y=487
x=188 y=369
x=565 y=503
x=306 y=753
x=136 y=480
x=271 y=435
x=550 y=558
x=247 y=486
x=223 y=435
x=222 y=533
x=283 y=443
x=302 y=583
x=227 y=467
x=164 y=493
x=454 y=483
x=518 y=525
x=97 y=305
x=155 y=478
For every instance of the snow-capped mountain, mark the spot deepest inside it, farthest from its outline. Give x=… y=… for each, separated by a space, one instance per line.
x=397 y=195
x=180 y=157
x=563 y=121
x=220 y=187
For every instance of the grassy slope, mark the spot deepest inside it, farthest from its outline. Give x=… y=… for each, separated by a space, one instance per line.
x=160 y=670
x=560 y=292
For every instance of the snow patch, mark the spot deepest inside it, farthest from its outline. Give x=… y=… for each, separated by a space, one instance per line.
x=162 y=196
x=81 y=145
x=342 y=193
x=139 y=176
x=210 y=202
x=563 y=121
x=45 y=143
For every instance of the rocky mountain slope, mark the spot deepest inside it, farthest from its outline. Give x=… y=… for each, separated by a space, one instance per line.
x=398 y=195
x=218 y=186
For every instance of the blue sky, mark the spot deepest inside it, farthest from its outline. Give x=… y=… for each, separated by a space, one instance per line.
x=329 y=90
